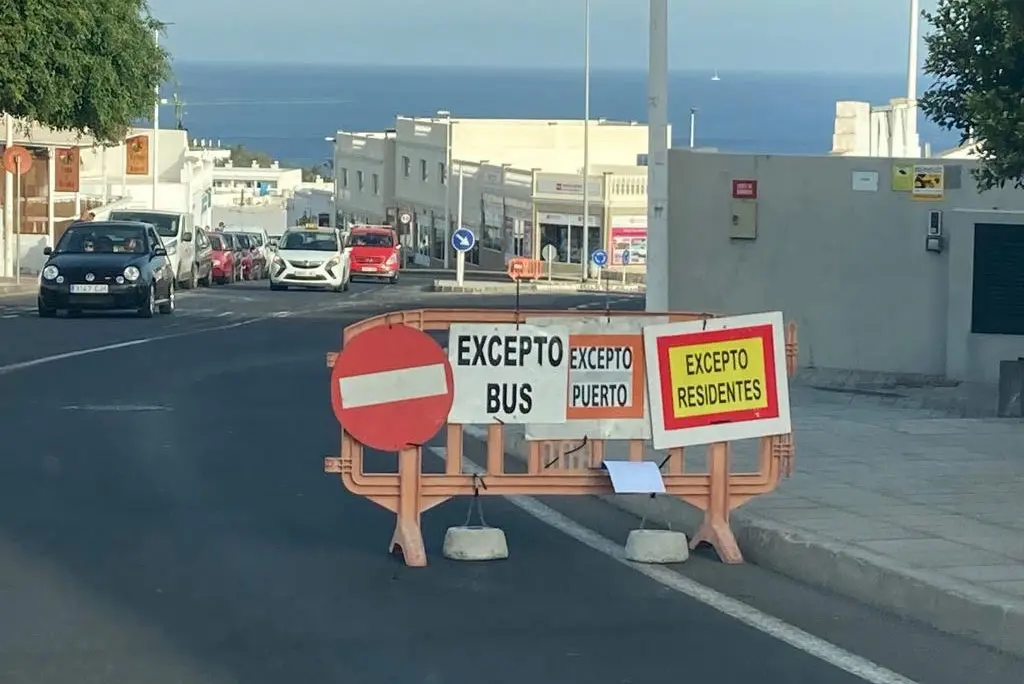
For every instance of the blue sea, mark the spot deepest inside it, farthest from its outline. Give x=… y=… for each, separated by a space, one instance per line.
x=288 y=110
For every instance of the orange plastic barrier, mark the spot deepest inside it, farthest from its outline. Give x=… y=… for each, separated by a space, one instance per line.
x=521 y=268
x=550 y=468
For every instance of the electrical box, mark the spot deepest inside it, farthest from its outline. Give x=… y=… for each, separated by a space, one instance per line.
x=743 y=224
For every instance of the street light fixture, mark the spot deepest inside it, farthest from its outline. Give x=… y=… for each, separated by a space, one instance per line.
x=446 y=116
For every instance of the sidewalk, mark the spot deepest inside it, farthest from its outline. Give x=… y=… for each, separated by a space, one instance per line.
x=531 y=286
x=9 y=287
x=904 y=509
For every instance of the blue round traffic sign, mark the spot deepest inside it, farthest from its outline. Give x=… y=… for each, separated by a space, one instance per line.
x=463 y=240
x=625 y=256
x=599 y=257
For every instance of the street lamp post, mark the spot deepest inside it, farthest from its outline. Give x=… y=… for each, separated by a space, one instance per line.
x=447 y=116
x=585 y=254
x=156 y=126
x=334 y=198
x=913 y=144
x=657 y=159
x=693 y=127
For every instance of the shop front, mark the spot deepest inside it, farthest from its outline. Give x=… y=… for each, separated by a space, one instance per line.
x=628 y=233
x=565 y=233
x=518 y=228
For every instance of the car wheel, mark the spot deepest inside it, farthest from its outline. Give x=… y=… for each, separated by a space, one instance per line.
x=43 y=311
x=348 y=281
x=393 y=279
x=207 y=281
x=148 y=308
x=276 y=287
x=167 y=307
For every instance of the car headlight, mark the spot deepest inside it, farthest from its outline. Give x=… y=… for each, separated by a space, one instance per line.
x=50 y=273
x=334 y=261
x=131 y=274
x=172 y=250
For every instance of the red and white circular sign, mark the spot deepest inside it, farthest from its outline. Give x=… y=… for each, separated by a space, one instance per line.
x=392 y=387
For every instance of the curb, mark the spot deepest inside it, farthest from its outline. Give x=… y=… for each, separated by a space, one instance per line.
x=510 y=288
x=14 y=290
x=953 y=607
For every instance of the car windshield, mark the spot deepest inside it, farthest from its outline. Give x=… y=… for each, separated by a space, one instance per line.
x=166 y=224
x=243 y=241
x=88 y=238
x=255 y=239
x=370 y=240
x=218 y=243
x=311 y=241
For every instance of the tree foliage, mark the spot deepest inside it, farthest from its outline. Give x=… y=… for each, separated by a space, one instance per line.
x=243 y=156
x=310 y=174
x=976 y=55
x=84 y=65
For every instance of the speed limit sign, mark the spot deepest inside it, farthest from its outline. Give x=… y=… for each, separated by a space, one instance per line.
x=405 y=217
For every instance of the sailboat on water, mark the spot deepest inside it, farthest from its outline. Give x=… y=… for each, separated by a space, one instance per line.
x=715 y=77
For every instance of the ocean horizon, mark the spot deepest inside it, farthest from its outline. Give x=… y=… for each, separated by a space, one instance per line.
x=287 y=110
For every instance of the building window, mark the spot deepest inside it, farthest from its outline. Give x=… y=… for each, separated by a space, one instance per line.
x=423 y=170
x=442 y=176
x=360 y=180
x=376 y=184
x=406 y=167
x=998 y=292
x=344 y=178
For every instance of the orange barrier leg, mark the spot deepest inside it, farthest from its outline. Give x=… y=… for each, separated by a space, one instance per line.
x=715 y=529
x=408 y=537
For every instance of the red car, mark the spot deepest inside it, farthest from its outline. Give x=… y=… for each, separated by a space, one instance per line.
x=247 y=257
x=225 y=265
x=374 y=252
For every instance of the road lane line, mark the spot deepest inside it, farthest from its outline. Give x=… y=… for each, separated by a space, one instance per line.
x=21 y=365
x=806 y=642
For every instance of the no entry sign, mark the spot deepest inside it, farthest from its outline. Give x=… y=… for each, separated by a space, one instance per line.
x=392 y=387
x=508 y=373
x=717 y=380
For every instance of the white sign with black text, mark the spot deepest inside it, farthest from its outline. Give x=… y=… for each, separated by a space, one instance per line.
x=507 y=373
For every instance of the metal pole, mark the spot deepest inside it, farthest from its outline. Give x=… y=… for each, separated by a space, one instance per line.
x=912 y=145
x=460 y=256
x=585 y=255
x=693 y=126
x=657 y=163
x=17 y=221
x=448 y=194
x=51 y=182
x=156 y=126
x=5 y=265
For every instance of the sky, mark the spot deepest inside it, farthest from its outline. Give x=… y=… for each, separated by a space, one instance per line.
x=866 y=36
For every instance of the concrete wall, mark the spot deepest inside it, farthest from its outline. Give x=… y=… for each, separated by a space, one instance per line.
x=849 y=266
x=311 y=202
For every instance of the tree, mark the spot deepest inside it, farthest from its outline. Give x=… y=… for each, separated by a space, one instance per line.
x=309 y=174
x=90 y=66
x=974 y=54
x=243 y=156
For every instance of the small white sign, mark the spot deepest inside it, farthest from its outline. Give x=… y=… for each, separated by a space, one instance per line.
x=508 y=373
x=865 y=181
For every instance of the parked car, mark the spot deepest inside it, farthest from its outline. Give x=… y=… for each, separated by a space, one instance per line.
x=260 y=260
x=107 y=265
x=223 y=258
x=247 y=259
x=312 y=258
x=375 y=252
x=203 y=271
x=176 y=231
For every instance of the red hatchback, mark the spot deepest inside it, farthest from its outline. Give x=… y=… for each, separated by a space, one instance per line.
x=374 y=252
x=225 y=268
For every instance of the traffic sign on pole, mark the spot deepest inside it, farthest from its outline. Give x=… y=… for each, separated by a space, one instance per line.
x=463 y=240
x=392 y=387
x=599 y=257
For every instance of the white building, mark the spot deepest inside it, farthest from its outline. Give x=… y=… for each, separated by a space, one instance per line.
x=255 y=184
x=312 y=202
x=522 y=185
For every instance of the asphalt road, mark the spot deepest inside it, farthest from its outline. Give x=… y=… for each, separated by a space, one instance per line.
x=164 y=518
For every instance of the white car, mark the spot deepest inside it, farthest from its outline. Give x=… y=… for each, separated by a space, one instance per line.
x=310 y=258
x=176 y=231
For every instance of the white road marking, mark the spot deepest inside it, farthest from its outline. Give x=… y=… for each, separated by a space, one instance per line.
x=803 y=641
x=386 y=387
x=116 y=407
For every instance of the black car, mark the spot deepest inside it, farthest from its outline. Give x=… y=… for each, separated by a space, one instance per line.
x=107 y=265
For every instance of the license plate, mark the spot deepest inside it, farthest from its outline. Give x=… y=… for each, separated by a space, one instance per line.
x=368 y=269
x=90 y=289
